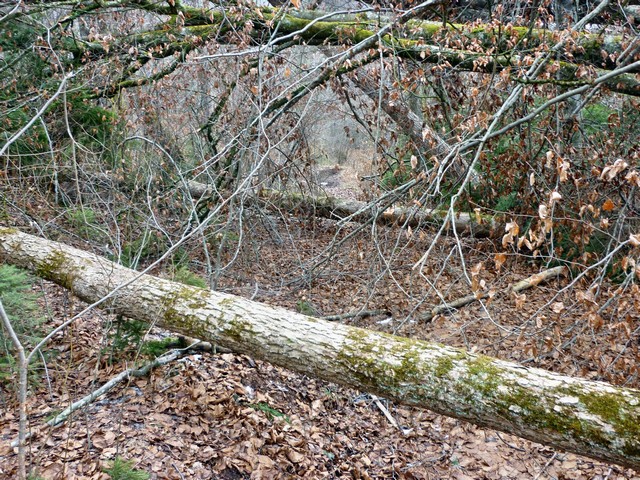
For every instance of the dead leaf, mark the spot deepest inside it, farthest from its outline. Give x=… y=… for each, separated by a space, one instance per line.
x=499 y=259
x=543 y=211
x=520 y=299
x=294 y=456
x=611 y=171
x=555 y=197
x=608 y=205
x=513 y=229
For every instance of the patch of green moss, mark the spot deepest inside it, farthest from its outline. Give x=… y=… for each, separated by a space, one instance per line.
x=502 y=394
x=537 y=416
x=443 y=366
x=485 y=376
x=226 y=302
x=237 y=328
x=55 y=268
x=609 y=407
x=606 y=406
x=541 y=416
x=362 y=354
x=191 y=324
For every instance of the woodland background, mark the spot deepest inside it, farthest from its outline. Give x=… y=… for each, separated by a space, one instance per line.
x=361 y=162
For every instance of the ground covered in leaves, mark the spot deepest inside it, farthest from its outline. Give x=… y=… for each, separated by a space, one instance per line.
x=220 y=415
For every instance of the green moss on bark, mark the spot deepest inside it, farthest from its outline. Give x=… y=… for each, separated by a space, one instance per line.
x=178 y=313
x=58 y=269
x=388 y=363
x=238 y=329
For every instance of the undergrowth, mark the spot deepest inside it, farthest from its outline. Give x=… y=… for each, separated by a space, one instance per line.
x=24 y=312
x=121 y=469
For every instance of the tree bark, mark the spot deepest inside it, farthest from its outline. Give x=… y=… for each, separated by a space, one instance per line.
x=358 y=211
x=594 y=419
x=355 y=210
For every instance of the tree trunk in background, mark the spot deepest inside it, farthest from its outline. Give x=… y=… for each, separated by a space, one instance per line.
x=342 y=208
x=588 y=418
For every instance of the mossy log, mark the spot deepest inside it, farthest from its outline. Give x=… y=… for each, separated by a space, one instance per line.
x=478 y=48
x=355 y=210
x=599 y=50
x=589 y=418
x=341 y=208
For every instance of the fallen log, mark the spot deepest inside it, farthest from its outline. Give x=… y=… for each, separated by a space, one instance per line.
x=589 y=418
x=355 y=210
x=335 y=208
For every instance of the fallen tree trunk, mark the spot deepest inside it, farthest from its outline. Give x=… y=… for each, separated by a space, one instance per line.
x=355 y=210
x=594 y=419
x=479 y=48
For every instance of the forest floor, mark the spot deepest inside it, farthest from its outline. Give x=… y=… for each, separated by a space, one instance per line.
x=227 y=416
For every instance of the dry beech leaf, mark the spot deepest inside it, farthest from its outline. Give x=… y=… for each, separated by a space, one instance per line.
x=409 y=232
x=563 y=169
x=476 y=269
x=512 y=229
x=611 y=171
x=520 y=299
x=635 y=240
x=596 y=321
x=295 y=457
x=608 y=205
x=627 y=262
x=586 y=297
x=499 y=260
x=265 y=461
x=633 y=177
x=543 y=211
x=549 y=158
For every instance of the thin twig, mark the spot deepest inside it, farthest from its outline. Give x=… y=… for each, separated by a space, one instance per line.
x=546 y=466
x=23 y=365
